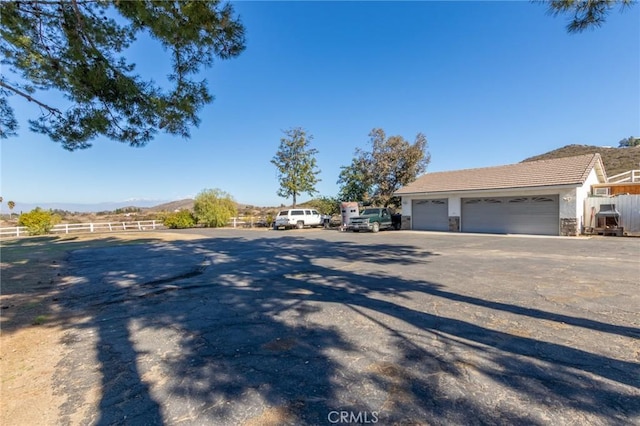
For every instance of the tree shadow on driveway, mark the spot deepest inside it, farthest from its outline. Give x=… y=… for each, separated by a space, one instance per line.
x=290 y=330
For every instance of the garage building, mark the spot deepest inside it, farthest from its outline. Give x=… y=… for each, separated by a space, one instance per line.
x=539 y=197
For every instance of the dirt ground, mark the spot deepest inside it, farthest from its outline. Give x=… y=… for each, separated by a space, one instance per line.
x=31 y=329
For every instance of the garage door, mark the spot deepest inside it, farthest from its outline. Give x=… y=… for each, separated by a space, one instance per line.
x=512 y=215
x=430 y=215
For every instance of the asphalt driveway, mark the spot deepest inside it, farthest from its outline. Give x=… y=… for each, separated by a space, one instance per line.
x=322 y=327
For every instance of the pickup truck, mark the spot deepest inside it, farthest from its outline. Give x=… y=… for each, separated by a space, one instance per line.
x=374 y=219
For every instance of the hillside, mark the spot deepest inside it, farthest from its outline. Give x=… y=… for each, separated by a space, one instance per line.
x=187 y=204
x=616 y=160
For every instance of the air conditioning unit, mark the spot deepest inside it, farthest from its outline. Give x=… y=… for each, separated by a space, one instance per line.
x=600 y=191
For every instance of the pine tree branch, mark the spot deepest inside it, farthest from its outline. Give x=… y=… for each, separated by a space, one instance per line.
x=58 y=2
x=28 y=97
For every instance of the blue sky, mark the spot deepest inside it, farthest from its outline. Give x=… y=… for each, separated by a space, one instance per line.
x=488 y=83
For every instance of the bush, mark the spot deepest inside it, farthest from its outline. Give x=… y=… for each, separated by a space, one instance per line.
x=179 y=220
x=38 y=221
x=214 y=207
x=270 y=219
x=325 y=205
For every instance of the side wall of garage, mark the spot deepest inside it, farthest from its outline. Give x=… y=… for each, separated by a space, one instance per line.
x=579 y=196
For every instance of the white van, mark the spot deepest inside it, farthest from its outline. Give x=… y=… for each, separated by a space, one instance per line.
x=297 y=218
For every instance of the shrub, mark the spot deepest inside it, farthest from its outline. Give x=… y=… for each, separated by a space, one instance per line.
x=179 y=220
x=270 y=219
x=38 y=221
x=326 y=205
x=214 y=207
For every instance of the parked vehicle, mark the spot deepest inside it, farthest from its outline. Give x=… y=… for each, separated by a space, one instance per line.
x=374 y=219
x=297 y=218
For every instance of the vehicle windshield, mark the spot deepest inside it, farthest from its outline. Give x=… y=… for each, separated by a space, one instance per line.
x=370 y=212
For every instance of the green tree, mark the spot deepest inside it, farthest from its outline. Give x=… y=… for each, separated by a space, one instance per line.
x=11 y=205
x=392 y=163
x=296 y=164
x=179 y=220
x=585 y=13
x=77 y=48
x=355 y=181
x=38 y=221
x=325 y=205
x=629 y=142
x=213 y=208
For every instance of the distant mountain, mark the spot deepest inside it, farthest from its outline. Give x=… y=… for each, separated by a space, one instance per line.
x=146 y=205
x=187 y=204
x=616 y=160
x=172 y=206
x=79 y=207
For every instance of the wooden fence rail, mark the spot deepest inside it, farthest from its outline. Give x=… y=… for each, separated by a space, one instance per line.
x=68 y=228
x=141 y=225
x=630 y=176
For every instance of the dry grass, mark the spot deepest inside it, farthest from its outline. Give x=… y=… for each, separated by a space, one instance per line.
x=616 y=160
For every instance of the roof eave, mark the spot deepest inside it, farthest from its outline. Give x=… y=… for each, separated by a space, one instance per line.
x=600 y=170
x=510 y=189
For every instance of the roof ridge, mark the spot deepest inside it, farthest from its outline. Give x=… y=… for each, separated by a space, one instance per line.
x=596 y=158
x=550 y=172
x=561 y=158
x=517 y=164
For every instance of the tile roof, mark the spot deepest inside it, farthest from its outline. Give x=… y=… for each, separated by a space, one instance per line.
x=558 y=171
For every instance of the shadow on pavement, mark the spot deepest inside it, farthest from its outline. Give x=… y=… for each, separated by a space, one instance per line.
x=289 y=330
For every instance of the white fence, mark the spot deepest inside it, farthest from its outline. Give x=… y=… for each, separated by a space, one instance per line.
x=247 y=222
x=627 y=205
x=68 y=228
x=630 y=176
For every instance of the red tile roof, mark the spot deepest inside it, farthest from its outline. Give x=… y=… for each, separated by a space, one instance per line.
x=559 y=171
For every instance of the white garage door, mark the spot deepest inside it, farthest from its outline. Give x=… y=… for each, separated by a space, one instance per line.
x=430 y=215
x=512 y=215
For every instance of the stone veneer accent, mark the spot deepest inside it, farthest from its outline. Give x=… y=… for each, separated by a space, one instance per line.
x=568 y=226
x=454 y=223
x=406 y=222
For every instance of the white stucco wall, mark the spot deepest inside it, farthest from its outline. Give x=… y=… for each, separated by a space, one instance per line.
x=583 y=193
x=455 y=206
x=571 y=198
x=568 y=203
x=406 y=206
